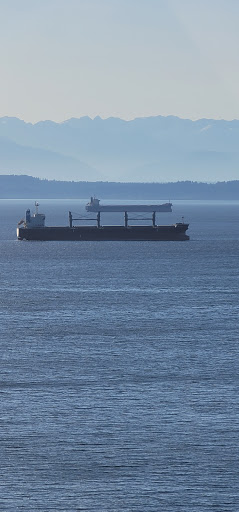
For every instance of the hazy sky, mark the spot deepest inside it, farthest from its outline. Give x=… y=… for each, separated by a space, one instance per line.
x=124 y=58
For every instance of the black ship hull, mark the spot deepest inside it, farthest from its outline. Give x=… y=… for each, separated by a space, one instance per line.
x=111 y=233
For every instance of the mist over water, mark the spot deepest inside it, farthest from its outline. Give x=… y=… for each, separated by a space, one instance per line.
x=119 y=367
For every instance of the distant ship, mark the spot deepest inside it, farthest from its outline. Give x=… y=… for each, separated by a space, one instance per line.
x=95 y=206
x=33 y=228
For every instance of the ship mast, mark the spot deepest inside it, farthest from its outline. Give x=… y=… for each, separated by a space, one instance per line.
x=36 y=205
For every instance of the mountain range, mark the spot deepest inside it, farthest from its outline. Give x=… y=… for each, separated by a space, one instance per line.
x=151 y=149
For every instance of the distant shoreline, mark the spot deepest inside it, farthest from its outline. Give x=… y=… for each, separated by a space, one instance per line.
x=27 y=187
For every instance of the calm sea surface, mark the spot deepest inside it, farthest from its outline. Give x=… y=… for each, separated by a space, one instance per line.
x=119 y=367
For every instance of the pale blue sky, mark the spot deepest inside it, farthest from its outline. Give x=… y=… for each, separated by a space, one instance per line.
x=124 y=58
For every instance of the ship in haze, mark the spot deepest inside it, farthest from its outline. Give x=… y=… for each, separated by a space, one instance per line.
x=33 y=228
x=95 y=206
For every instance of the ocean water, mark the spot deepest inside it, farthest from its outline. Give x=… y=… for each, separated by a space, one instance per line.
x=119 y=367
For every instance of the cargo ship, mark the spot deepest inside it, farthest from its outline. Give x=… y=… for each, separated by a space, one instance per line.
x=95 y=206
x=33 y=228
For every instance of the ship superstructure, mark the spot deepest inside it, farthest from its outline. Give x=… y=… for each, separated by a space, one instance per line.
x=37 y=220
